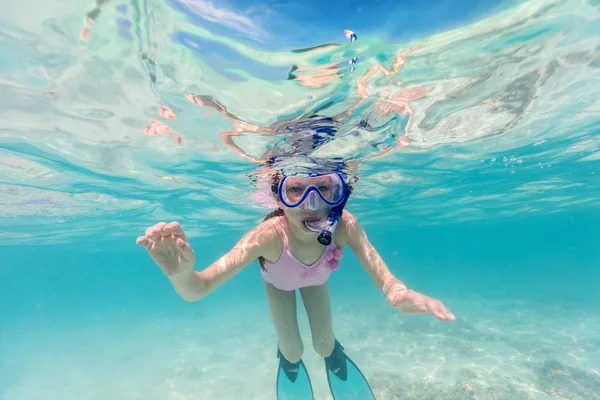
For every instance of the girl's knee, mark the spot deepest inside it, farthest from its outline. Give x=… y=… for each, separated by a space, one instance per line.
x=324 y=346
x=292 y=351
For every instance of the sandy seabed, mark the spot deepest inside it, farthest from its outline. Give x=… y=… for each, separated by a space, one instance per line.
x=513 y=350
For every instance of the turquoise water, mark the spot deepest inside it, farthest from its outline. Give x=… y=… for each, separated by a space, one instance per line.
x=478 y=186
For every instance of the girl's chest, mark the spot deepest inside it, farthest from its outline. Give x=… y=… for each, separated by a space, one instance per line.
x=307 y=255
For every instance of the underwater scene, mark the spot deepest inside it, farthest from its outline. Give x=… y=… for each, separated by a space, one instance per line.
x=429 y=171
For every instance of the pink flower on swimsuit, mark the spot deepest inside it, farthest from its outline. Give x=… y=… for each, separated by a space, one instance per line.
x=333 y=258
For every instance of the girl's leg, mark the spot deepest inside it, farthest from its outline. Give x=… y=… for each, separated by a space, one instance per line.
x=344 y=378
x=283 y=310
x=292 y=380
x=318 y=308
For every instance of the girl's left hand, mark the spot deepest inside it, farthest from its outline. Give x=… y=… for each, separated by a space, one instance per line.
x=410 y=302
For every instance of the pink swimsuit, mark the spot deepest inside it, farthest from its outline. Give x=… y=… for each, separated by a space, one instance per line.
x=289 y=273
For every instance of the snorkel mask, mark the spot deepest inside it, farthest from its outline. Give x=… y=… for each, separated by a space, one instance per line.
x=315 y=192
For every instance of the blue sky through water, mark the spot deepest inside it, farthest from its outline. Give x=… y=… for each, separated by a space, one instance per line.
x=280 y=25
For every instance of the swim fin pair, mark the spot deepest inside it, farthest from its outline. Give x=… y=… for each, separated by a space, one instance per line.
x=346 y=382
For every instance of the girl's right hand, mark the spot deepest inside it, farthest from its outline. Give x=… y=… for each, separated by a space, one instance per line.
x=169 y=248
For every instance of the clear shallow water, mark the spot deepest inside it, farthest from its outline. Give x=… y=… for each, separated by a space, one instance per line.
x=489 y=202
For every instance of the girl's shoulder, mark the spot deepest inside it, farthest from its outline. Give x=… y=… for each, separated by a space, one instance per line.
x=269 y=233
x=346 y=226
x=348 y=221
x=350 y=229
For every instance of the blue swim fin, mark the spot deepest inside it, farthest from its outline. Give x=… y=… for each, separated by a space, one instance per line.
x=293 y=382
x=346 y=382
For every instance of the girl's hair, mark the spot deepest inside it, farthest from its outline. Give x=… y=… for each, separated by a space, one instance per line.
x=276 y=213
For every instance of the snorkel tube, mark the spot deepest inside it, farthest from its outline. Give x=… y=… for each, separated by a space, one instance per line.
x=333 y=219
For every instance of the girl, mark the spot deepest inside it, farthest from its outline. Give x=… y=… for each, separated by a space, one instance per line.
x=292 y=255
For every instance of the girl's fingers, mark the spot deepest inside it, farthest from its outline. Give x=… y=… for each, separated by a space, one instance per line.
x=154 y=232
x=145 y=241
x=440 y=311
x=173 y=228
x=439 y=314
x=415 y=303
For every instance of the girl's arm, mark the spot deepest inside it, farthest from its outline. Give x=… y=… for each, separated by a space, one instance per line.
x=252 y=245
x=168 y=246
x=194 y=285
x=395 y=291
x=368 y=255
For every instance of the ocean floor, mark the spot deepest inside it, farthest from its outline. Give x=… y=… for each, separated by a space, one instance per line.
x=513 y=350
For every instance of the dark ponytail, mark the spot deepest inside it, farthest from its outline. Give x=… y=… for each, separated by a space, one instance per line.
x=277 y=213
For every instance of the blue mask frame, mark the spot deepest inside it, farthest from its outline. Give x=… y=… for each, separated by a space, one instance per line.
x=312 y=188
